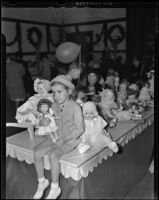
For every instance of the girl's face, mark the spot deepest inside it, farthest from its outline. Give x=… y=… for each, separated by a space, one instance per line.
x=41 y=88
x=60 y=93
x=44 y=108
x=92 y=78
x=89 y=115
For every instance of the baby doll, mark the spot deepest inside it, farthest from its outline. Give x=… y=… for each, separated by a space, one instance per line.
x=28 y=111
x=144 y=93
x=95 y=135
x=47 y=124
x=107 y=103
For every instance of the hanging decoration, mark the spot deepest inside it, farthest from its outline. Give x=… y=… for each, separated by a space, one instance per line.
x=31 y=31
x=118 y=36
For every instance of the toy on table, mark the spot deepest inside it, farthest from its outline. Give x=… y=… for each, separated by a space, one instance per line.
x=122 y=93
x=131 y=98
x=122 y=115
x=144 y=95
x=107 y=104
x=95 y=135
x=151 y=77
x=135 y=112
x=47 y=124
x=28 y=111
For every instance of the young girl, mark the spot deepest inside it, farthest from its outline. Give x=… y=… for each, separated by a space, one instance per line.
x=46 y=120
x=95 y=135
x=70 y=127
x=28 y=111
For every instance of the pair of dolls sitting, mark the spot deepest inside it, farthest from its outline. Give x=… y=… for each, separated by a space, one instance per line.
x=38 y=112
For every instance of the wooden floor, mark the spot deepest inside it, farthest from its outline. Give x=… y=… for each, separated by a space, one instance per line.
x=144 y=189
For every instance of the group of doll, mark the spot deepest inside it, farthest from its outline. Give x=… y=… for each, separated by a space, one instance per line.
x=37 y=110
x=126 y=102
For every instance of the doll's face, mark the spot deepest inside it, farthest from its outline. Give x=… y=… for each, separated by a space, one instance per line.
x=89 y=115
x=41 y=88
x=44 y=108
x=81 y=95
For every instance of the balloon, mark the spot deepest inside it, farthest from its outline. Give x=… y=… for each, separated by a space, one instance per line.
x=67 y=52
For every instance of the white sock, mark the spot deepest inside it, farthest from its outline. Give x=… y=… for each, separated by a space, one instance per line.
x=54 y=185
x=41 y=180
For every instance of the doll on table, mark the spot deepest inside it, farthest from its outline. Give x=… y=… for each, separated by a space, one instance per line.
x=135 y=111
x=28 y=111
x=47 y=124
x=107 y=104
x=131 y=98
x=122 y=93
x=95 y=135
x=144 y=95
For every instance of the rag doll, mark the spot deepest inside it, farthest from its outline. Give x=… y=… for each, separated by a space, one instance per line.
x=28 y=111
x=135 y=112
x=95 y=135
x=131 y=98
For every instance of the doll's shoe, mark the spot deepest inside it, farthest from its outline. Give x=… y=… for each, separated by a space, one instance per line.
x=82 y=148
x=114 y=147
x=54 y=193
x=40 y=190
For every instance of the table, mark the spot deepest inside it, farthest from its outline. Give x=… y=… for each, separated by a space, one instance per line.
x=98 y=174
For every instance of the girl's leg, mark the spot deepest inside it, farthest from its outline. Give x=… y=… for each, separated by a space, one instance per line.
x=55 y=172
x=39 y=152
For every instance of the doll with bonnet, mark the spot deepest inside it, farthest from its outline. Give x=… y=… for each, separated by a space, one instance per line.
x=28 y=111
x=95 y=135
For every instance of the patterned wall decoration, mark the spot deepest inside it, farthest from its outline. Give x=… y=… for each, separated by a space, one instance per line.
x=28 y=37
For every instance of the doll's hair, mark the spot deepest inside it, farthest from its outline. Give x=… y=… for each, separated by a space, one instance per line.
x=43 y=102
x=90 y=106
x=45 y=83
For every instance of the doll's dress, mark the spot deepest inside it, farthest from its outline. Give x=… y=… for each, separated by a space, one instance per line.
x=44 y=130
x=123 y=115
x=144 y=94
x=26 y=111
x=94 y=133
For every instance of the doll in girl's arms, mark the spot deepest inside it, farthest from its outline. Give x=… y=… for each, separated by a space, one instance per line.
x=47 y=124
x=28 y=111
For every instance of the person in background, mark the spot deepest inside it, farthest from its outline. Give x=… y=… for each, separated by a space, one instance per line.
x=28 y=81
x=132 y=71
x=47 y=67
x=15 y=84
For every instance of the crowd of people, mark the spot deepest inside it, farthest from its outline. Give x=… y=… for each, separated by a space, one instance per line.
x=72 y=105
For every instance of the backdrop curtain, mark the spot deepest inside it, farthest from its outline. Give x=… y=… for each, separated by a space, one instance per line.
x=141 y=32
